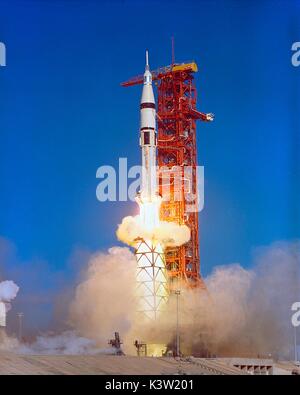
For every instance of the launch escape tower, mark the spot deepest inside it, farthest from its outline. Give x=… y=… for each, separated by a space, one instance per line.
x=176 y=118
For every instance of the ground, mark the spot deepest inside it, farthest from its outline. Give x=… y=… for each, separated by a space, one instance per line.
x=105 y=364
x=13 y=364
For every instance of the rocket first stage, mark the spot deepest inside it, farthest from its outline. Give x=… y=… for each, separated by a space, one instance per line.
x=151 y=272
x=148 y=198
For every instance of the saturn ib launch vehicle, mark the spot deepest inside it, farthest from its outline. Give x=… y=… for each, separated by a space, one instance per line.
x=151 y=271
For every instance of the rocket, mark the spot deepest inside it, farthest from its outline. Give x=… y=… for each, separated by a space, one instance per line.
x=148 y=198
x=148 y=138
x=152 y=281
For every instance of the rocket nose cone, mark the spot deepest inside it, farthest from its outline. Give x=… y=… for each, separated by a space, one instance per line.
x=147 y=74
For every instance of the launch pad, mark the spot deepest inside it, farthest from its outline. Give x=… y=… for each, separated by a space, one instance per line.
x=169 y=191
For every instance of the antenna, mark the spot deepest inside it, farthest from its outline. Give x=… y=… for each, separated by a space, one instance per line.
x=147 y=60
x=173 y=50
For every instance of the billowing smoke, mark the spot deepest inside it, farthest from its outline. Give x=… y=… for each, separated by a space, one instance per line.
x=8 y=291
x=66 y=343
x=104 y=301
x=169 y=234
x=244 y=312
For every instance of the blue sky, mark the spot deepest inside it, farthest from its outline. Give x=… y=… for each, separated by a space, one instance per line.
x=63 y=114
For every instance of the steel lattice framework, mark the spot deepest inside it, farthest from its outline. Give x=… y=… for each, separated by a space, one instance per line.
x=151 y=277
x=177 y=148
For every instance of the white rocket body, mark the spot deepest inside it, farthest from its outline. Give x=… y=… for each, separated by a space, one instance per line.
x=148 y=139
x=152 y=282
x=148 y=198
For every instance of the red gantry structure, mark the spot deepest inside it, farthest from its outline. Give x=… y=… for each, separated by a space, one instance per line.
x=177 y=149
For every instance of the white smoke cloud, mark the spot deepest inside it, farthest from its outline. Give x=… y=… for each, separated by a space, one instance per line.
x=169 y=234
x=244 y=313
x=8 y=343
x=8 y=291
x=104 y=301
x=7 y=307
x=66 y=343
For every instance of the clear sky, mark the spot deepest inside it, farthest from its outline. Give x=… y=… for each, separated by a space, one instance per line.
x=63 y=114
